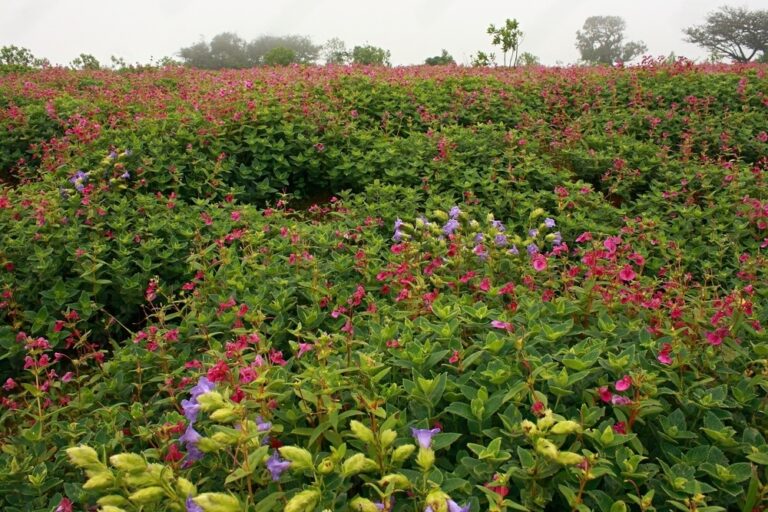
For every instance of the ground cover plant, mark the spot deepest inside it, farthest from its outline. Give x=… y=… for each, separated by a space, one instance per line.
x=412 y=289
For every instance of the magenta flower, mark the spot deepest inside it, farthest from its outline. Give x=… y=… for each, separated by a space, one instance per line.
x=424 y=436
x=626 y=273
x=620 y=400
x=304 y=348
x=539 y=262
x=498 y=324
x=624 y=383
x=605 y=394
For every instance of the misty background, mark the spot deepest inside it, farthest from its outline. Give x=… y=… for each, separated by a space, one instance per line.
x=410 y=30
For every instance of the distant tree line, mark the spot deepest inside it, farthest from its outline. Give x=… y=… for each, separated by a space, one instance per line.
x=734 y=33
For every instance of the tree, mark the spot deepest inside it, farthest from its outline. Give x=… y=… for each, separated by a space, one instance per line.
x=528 y=59
x=443 y=59
x=228 y=51
x=483 y=59
x=508 y=37
x=304 y=50
x=335 y=51
x=16 y=58
x=85 y=61
x=280 y=56
x=370 y=55
x=733 y=32
x=601 y=41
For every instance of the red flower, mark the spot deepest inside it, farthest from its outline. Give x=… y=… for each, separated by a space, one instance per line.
x=173 y=455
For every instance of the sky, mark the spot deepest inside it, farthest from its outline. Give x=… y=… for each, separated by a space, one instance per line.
x=412 y=30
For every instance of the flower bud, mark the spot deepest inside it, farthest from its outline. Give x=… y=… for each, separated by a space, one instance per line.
x=528 y=427
x=100 y=481
x=224 y=415
x=402 y=452
x=361 y=432
x=299 y=457
x=546 y=420
x=358 y=463
x=538 y=212
x=440 y=215
x=211 y=401
x=208 y=445
x=110 y=508
x=387 y=437
x=438 y=500
x=398 y=480
x=425 y=458
x=225 y=438
x=185 y=487
x=304 y=501
x=363 y=505
x=566 y=427
x=569 y=458
x=83 y=456
x=218 y=502
x=147 y=495
x=326 y=466
x=128 y=462
x=546 y=448
x=112 y=499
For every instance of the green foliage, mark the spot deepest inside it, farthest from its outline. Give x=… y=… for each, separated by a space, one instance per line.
x=369 y=55
x=508 y=38
x=601 y=41
x=335 y=51
x=443 y=59
x=734 y=32
x=14 y=58
x=85 y=61
x=376 y=289
x=279 y=56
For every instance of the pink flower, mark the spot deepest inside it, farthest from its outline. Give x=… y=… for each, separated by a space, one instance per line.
x=584 y=237
x=605 y=394
x=624 y=383
x=620 y=400
x=627 y=274
x=304 y=348
x=539 y=262
x=455 y=357
x=67 y=377
x=485 y=284
x=247 y=375
x=9 y=384
x=498 y=324
x=620 y=428
x=663 y=356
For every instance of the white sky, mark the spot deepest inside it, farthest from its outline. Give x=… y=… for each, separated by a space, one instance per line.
x=411 y=29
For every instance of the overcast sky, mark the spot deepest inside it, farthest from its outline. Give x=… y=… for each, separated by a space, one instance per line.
x=411 y=29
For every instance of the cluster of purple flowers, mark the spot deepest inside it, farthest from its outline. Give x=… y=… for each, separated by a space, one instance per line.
x=398 y=236
x=453 y=223
x=79 y=180
x=191 y=408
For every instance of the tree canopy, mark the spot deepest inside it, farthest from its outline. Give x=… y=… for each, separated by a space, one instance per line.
x=443 y=59
x=228 y=50
x=733 y=32
x=508 y=37
x=601 y=41
x=370 y=55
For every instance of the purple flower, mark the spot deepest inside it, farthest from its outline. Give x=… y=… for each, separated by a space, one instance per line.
x=191 y=408
x=498 y=225
x=455 y=507
x=203 y=386
x=112 y=155
x=424 y=436
x=532 y=249
x=190 y=437
x=478 y=238
x=79 y=180
x=193 y=455
x=454 y=213
x=398 y=235
x=276 y=466
x=550 y=223
x=192 y=506
x=533 y=233
x=500 y=240
x=429 y=509
x=450 y=226
x=263 y=426
x=513 y=250
x=126 y=175
x=425 y=221
x=558 y=238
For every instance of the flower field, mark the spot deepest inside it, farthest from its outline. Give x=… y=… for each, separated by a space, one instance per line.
x=414 y=289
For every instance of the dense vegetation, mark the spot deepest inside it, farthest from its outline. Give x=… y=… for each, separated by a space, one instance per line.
x=352 y=288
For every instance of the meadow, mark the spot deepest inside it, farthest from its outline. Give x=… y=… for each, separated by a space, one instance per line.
x=434 y=289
